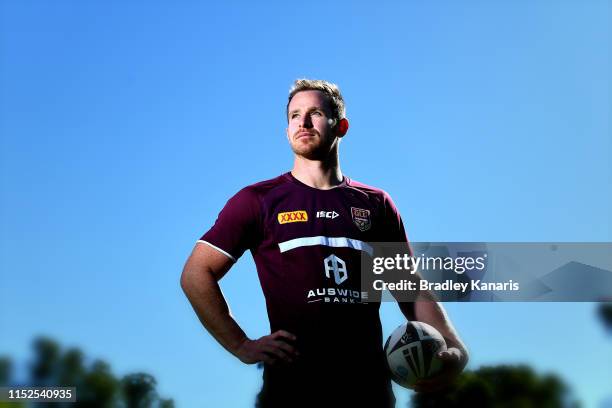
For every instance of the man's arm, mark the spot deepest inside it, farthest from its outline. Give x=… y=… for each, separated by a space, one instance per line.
x=199 y=280
x=427 y=310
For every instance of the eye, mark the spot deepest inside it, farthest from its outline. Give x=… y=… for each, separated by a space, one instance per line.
x=318 y=113
x=294 y=115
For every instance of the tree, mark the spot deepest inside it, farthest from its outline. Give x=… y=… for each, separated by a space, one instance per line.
x=46 y=361
x=97 y=386
x=138 y=390
x=501 y=387
x=605 y=314
x=6 y=368
x=71 y=369
x=166 y=403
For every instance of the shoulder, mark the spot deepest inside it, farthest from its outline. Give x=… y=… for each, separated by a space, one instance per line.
x=253 y=194
x=376 y=195
x=264 y=187
x=368 y=190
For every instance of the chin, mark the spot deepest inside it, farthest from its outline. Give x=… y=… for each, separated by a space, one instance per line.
x=310 y=152
x=313 y=149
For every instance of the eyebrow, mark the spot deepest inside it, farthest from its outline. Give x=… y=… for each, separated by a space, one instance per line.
x=312 y=108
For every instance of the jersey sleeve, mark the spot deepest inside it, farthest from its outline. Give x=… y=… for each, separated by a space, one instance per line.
x=394 y=226
x=238 y=226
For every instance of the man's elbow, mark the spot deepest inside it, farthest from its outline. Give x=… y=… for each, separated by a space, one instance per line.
x=189 y=277
x=195 y=275
x=185 y=279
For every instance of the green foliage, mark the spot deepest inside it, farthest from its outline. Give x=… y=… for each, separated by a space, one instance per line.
x=138 y=390
x=97 y=386
x=605 y=314
x=6 y=367
x=6 y=370
x=500 y=387
x=46 y=361
x=12 y=405
x=71 y=367
x=166 y=403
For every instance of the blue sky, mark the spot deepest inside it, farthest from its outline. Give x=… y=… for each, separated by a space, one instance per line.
x=125 y=126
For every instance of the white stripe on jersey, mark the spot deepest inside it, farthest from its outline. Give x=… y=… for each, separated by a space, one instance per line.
x=199 y=241
x=336 y=242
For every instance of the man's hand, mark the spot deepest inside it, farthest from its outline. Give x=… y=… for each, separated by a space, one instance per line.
x=270 y=349
x=453 y=361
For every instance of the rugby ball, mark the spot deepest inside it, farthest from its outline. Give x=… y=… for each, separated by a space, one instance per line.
x=411 y=353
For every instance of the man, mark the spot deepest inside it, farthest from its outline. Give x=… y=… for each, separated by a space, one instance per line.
x=306 y=230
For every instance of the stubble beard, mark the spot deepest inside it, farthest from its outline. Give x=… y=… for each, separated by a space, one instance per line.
x=313 y=149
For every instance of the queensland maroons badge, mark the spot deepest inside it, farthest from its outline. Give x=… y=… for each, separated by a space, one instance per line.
x=361 y=218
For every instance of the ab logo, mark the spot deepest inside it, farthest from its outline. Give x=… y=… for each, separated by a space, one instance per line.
x=335 y=265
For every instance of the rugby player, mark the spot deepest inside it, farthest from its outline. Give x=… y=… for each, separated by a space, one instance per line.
x=306 y=229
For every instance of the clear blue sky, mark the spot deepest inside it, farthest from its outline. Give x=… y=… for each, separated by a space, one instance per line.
x=125 y=127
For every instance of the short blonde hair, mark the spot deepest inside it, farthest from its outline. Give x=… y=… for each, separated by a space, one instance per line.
x=336 y=101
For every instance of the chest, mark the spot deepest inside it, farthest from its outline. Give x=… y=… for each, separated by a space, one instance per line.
x=333 y=214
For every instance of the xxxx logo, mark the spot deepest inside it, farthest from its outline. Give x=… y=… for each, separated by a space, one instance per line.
x=292 y=216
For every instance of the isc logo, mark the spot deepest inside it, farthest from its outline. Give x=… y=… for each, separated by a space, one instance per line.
x=327 y=214
x=292 y=216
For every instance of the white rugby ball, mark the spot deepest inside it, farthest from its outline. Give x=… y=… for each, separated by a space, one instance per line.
x=411 y=353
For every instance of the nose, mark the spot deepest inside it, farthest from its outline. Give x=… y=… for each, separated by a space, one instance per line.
x=305 y=121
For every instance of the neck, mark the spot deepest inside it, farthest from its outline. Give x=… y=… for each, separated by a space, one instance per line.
x=321 y=174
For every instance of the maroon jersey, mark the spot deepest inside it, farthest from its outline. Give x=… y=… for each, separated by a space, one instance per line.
x=307 y=244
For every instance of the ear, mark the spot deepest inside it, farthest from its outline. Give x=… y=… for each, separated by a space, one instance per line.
x=342 y=127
